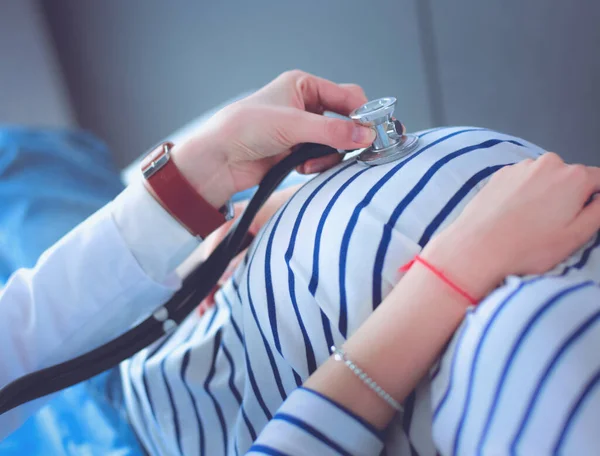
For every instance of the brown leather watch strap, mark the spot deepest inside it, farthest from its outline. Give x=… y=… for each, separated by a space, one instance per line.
x=176 y=195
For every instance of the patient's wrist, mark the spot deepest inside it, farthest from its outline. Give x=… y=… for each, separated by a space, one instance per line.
x=466 y=260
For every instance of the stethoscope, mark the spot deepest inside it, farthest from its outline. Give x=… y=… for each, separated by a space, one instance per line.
x=390 y=144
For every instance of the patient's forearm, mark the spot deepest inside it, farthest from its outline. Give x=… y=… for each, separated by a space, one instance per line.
x=400 y=341
x=395 y=346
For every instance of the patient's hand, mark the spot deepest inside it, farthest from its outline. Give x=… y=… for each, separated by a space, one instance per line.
x=271 y=206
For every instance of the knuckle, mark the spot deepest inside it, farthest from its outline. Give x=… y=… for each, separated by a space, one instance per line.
x=549 y=164
x=578 y=171
x=524 y=164
x=356 y=89
x=507 y=170
x=550 y=159
x=294 y=75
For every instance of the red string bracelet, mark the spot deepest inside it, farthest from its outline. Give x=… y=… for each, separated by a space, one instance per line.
x=440 y=275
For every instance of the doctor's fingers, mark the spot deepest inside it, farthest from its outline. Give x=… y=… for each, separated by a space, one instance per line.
x=298 y=127
x=301 y=90
x=319 y=94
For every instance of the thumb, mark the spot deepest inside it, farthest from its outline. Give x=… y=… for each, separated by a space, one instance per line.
x=337 y=133
x=587 y=222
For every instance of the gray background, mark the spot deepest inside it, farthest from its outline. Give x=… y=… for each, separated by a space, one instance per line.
x=133 y=71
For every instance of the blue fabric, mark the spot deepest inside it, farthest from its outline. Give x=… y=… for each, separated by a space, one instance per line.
x=50 y=181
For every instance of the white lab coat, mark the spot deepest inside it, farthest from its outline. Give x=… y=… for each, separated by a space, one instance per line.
x=91 y=286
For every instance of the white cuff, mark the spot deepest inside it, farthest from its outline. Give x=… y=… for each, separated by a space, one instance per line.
x=156 y=240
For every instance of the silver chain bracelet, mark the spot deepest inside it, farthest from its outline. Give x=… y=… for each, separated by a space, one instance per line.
x=340 y=355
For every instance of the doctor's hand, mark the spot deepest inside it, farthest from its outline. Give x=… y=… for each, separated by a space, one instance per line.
x=235 y=148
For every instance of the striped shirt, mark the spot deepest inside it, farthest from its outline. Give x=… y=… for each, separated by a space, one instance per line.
x=315 y=272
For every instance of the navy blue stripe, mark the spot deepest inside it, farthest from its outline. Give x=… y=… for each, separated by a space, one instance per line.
x=377 y=433
x=549 y=369
x=327 y=331
x=410 y=196
x=584 y=257
x=266 y=450
x=232 y=387
x=209 y=377
x=165 y=379
x=312 y=431
x=427 y=132
x=147 y=394
x=314 y=279
x=531 y=322
x=235 y=392
x=212 y=320
x=591 y=384
x=141 y=416
x=184 y=365
x=491 y=320
x=237 y=395
x=311 y=363
x=256 y=389
x=343 y=317
x=444 y=397
x=271 y=309
x=455 y=200
x=236 y=328
x=431 y=130
x=268 y=350
x=250 y=373
x=297 y=378
x=248 y=424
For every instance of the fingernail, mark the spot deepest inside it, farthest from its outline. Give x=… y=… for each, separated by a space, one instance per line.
x=363 y=135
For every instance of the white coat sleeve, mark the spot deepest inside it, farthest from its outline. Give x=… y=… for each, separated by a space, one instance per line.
x=91 y=286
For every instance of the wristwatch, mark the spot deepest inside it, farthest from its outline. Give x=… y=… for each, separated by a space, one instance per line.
x=177 y=196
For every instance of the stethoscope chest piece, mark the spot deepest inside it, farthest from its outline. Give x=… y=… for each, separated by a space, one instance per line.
x=390 y=144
